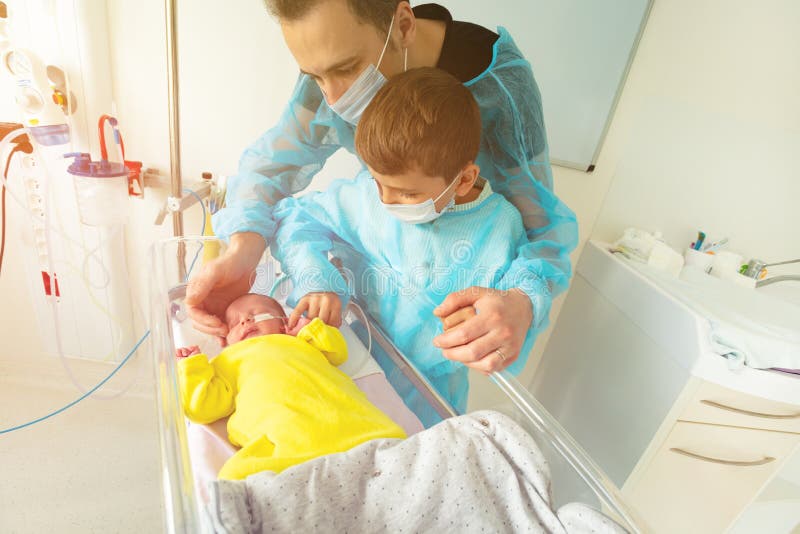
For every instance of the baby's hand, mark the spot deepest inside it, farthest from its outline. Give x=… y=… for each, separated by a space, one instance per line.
x=185 y=352
x=327 y=306
x=301 y=322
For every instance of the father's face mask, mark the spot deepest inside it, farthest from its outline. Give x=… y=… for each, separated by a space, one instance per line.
x=354 y=101
x=425 y=211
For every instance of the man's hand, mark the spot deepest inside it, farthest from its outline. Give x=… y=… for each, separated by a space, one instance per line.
x=484 y=328
x=222 y=281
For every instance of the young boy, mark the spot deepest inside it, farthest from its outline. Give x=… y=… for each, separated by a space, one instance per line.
x=418 y=226
x=286 y=400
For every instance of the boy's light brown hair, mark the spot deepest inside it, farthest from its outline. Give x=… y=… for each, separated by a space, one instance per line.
x=422 y=120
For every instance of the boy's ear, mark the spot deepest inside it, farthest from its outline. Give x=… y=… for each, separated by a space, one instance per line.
x=468 y=178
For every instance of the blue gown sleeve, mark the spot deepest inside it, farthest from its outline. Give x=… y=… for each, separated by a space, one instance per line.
x=280 y=163
x=514 y=157
x=307 y=227
x=532 y=276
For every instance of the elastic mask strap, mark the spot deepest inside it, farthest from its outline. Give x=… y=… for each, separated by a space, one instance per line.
x=448 y=187
x=386 y=44
x=405 y=60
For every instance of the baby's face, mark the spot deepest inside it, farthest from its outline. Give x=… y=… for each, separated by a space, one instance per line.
x=241 y=312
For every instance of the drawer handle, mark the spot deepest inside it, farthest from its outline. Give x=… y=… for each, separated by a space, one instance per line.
x=748 y=412
x=764 y=460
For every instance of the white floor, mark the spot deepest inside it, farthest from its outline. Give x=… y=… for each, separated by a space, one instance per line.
x=93 y=468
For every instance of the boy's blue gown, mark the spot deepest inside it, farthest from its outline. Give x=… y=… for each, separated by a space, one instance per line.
x=403 y=271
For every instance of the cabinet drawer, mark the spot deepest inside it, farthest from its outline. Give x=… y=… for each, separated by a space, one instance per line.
x=722 y=406
x=704 y=475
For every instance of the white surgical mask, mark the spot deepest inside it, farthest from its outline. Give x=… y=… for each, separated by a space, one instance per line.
x=423 y=212
x=354 y=101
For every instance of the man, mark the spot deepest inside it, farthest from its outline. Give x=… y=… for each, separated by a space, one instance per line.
x=344 y=49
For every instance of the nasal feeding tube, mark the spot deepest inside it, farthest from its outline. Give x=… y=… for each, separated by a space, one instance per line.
x=260 y=317
x=266 y=317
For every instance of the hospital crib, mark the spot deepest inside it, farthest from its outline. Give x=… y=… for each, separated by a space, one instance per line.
x=575 y=477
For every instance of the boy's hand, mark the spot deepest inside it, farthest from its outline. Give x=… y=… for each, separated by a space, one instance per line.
x=327 y=306
x=185 y=352
x=457 y=317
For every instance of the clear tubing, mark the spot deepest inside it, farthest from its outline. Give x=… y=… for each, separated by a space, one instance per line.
x=95 y=252
x=5 y=143
x=54 y=309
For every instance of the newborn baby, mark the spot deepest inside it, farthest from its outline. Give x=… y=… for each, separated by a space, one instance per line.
x=287 y=401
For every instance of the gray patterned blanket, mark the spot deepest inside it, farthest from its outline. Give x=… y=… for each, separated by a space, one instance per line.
x=475 y=473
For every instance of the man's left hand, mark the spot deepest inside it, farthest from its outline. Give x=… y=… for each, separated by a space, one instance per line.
x=484 y=328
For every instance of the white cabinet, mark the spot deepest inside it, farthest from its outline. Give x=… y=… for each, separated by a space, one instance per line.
x=690 y=443
x=606 y=381
x=703 y=476
x=717 y=405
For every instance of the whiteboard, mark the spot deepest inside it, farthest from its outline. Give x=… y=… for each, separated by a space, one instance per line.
x=579 y=50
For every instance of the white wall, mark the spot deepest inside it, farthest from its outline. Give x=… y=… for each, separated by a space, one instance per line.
x=236 y=76
x=712 y=128
x=705 y=135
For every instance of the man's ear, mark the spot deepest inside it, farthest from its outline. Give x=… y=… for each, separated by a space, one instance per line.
x=406 y=22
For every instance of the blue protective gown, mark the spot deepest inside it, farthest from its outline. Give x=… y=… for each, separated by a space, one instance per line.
x=402 y=271
x=513 y=157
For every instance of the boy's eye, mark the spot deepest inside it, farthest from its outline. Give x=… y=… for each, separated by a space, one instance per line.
x=408 y=195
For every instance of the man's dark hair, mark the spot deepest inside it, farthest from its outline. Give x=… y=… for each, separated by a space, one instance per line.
x=376 y=12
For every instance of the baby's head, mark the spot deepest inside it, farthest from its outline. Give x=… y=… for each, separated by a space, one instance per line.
x=419 y=137
x=241 y=313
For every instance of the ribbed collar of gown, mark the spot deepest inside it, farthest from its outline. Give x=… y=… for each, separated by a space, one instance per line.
x=485 y=192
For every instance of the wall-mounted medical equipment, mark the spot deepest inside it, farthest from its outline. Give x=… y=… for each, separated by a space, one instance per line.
x=73 y=210
x=42 y=101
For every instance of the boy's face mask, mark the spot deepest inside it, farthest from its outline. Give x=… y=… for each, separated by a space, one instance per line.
x=354 y=101
x=425 y=211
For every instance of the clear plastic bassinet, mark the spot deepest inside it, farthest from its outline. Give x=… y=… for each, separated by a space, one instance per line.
x=575 y=477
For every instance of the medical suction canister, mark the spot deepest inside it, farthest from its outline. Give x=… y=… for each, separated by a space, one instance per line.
x=101 y=188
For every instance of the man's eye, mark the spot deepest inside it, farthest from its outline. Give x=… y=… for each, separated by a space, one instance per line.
x=345 y=70
x=408 y=195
